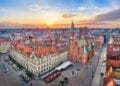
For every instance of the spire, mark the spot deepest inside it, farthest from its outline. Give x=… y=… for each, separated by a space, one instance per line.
x=72 y=25
x=48 y=30
x=84 y=50
x=72 y=30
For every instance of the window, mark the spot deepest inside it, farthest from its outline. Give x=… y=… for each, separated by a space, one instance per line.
x=115 y=49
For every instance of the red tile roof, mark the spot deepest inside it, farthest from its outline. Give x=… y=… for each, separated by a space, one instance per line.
x=45 y=50
x=38 y=51
x=23 y=49
x=41 y=51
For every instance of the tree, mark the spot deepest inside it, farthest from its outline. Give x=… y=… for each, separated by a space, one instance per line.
x=66 y=79
x=72 y=72
x=61 y=82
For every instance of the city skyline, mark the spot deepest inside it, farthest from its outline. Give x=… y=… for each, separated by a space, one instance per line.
x=59 y=13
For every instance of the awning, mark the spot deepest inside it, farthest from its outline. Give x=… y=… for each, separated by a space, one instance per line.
x=64 y=65
x=116 y=81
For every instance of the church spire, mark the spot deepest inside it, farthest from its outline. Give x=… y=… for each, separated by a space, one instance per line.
x=72 y=25
x=72 y=30
x=85 y=51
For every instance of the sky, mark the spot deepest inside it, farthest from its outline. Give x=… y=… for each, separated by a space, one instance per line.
x=59 y=13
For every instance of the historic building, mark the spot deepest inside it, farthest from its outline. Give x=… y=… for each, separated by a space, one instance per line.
x=5 y=45
x=81 y=48
x=99 y=41
x=112 y=77
x=36 y=58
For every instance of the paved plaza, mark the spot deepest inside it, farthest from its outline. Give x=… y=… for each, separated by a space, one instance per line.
x=77 y=74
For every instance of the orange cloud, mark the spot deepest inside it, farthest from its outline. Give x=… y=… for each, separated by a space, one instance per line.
x=68 y=15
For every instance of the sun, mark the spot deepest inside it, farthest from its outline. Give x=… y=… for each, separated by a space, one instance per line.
x=51 y=18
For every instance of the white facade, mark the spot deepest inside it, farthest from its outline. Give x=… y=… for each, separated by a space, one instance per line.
x=39 y=65
x=4 y=47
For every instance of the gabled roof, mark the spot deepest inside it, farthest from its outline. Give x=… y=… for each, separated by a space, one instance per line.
x=45 y=50
x=38 y=51
x=23 y=49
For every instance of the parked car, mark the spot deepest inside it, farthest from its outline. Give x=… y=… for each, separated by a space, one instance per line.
x=4 y=68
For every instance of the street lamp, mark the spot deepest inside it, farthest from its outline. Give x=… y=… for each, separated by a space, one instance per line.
x=102 y=74
x=66 y=80
x=92 y=69
x=62 y=83
x=31 y=84
x=101 y=83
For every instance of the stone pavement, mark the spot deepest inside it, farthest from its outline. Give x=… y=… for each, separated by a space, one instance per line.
x=97 y=77
x=82 y=77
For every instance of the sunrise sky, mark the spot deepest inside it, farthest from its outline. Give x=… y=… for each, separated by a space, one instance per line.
x=59 y=13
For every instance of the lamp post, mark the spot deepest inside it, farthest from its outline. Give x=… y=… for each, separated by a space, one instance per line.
x=91 y=68
x=61 y=83
x=101 y=74
x=91 y=73
x=31 y=84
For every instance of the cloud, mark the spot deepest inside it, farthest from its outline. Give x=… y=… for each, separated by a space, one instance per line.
x=91 y=22
x=89 y=10
x=92 y=10
x=82 y=8
x=3 y=10
x=97 y=23
x=15 y=25
x=85 y=8
x=110 y=16
x=68 y=15
x=42 y=8
x=37 y=7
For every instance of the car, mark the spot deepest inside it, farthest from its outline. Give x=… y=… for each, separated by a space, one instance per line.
x=78 y=69
x=4 y=68
x=10 y=63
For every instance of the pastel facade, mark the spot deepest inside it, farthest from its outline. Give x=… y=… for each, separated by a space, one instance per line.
x=38 y=60
x=5 y=45
x=113 y=62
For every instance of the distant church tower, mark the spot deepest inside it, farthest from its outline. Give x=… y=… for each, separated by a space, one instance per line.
x=72 y=44
x=72 y=26
x=72 y=29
